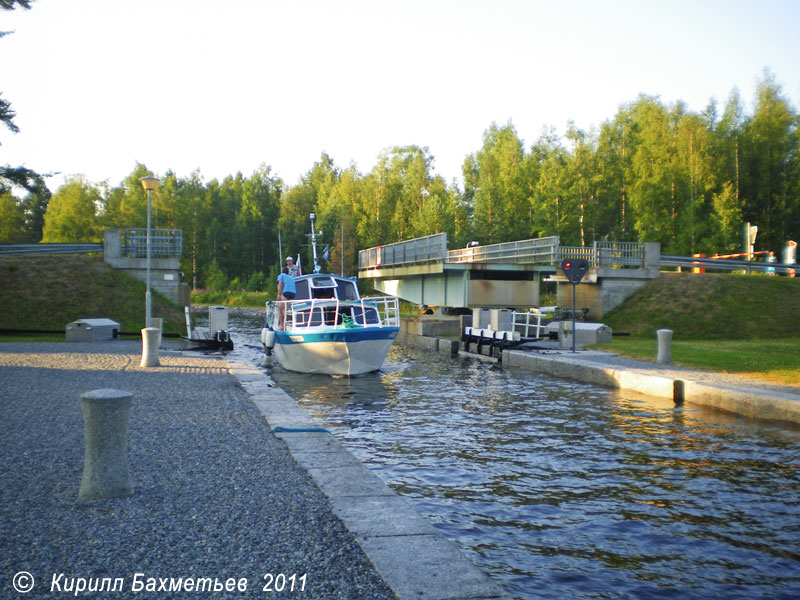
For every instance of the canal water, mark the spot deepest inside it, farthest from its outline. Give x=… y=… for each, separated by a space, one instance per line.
x=559 y=489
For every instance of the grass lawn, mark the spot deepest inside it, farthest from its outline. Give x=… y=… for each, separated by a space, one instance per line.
x=774 y=360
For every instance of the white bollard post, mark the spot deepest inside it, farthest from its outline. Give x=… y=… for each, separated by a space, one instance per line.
x=106 y=413
x=150 y=337
x=664 y=351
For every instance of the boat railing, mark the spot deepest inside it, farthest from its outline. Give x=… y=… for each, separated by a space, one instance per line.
x=388 y=310
x=306 y=317
x=301 y=313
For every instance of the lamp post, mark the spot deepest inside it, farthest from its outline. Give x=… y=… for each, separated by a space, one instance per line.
x=149 y=184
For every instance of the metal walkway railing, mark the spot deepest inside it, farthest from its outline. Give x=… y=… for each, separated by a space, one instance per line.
x=431 y=248
x=534 y=251
x=538 y=251
x=164 y=243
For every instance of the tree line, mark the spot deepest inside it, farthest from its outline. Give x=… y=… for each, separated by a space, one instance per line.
x=655 y=172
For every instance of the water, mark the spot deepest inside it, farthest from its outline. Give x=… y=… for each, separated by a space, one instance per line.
x=559 y=489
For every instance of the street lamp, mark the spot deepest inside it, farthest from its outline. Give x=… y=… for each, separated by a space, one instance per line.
x=149 y=183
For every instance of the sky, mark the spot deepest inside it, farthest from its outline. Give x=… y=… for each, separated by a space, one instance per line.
x=225 y=86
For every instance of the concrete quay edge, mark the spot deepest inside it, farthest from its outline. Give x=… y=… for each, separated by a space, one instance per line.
x=678 y=385
x=748 y=401
x=414 y=559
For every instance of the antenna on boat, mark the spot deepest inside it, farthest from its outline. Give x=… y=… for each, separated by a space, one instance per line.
x=314 y=235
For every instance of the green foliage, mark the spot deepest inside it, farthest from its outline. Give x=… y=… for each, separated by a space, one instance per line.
x=727 y=219
x=11 y=219
x=255 y=283
x=215 y=278
x=231 y=298
x=72 y=214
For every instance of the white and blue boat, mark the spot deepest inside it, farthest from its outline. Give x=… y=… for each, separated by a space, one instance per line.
x=328 y=327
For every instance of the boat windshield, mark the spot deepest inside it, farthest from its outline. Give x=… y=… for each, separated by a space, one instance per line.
x=326 y=287
x=302 y=289
x=346 y=289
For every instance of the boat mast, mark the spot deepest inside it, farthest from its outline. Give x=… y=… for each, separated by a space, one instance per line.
x=314 y=235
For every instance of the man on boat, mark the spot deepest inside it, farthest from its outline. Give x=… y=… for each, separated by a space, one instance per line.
x=286 y=291
x=294 y=270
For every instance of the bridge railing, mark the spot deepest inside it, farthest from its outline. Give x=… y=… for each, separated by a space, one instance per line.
x=575 y=252
x=626 y=254
x=542 y=251
x=535 y=251
x=419 y=250
x=606 y=254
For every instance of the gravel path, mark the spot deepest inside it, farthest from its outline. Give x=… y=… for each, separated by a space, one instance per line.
x=216 y=494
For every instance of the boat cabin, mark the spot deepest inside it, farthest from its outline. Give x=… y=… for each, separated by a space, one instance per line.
x=326 y=287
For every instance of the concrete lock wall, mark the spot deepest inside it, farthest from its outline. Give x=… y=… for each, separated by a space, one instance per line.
x=600 y=297
x=164 y=272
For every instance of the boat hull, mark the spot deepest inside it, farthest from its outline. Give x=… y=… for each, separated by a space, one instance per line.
x=337 y=352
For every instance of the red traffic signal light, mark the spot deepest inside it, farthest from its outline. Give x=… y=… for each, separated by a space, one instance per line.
x=575 y=269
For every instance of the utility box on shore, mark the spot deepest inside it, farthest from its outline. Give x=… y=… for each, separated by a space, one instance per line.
x=585 y=333
x=217 y=319
x=92 y=330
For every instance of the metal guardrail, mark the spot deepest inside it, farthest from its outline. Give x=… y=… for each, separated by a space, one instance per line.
x=50 y=248
x=726 y=264
x=425 y=249
x=164 y=243
x=534 y=251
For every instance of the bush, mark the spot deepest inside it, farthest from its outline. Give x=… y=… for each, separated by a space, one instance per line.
x=256 y=282
x=215 y=278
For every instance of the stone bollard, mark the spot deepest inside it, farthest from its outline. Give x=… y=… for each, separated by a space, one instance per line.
x=664 y=352
x=150 y=336
x=106 y=414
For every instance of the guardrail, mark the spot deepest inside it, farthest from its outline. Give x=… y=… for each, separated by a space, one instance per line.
x=50 y=248
x=726 y=264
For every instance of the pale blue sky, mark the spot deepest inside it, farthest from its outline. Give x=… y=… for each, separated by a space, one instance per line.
x=224 y=86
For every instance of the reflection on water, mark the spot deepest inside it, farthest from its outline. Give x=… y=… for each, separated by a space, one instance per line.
x=562 y=490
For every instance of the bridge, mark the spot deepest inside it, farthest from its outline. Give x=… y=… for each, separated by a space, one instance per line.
x=425 y=272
